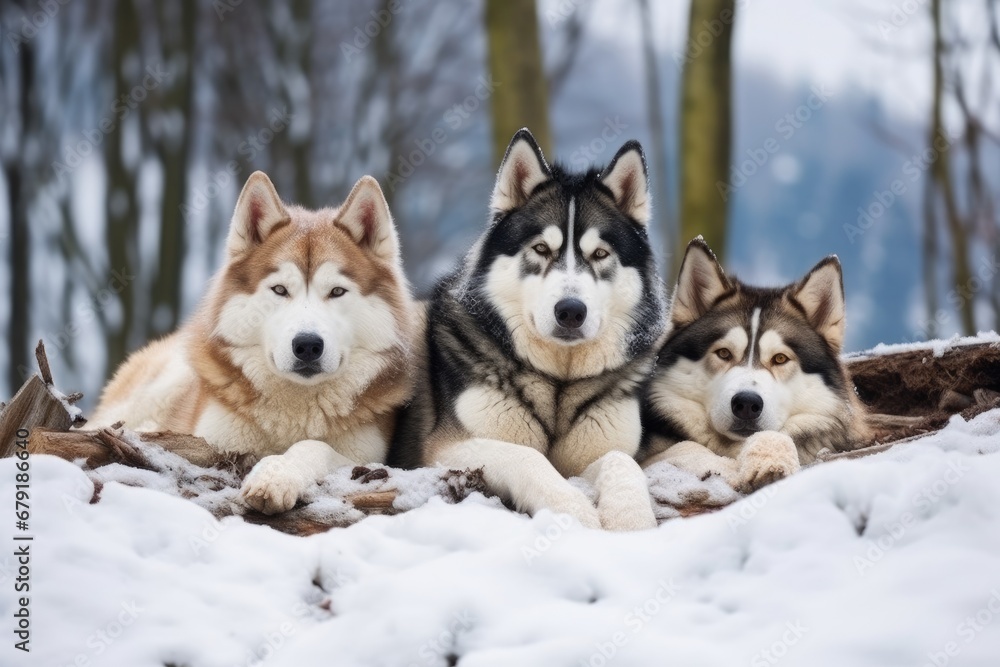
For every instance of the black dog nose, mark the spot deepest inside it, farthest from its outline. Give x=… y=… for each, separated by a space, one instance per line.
x=308 y=347
x=747 y=405
x=571 y=313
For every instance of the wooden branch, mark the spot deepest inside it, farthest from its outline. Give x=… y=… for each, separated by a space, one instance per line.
x=104 y=446
x=375 y=502
x=43 y=363
x=32 y=408
x=867 y=451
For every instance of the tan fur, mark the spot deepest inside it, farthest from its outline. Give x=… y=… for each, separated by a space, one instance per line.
x=804 y=416
x=198 y=381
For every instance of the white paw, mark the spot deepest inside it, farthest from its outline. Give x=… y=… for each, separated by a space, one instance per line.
x=623 y=500
x=764 y=458
x=575 y=504
x=273 y=486
x=626 y=511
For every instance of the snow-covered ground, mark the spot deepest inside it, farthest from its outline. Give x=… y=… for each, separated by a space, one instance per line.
x=888 y=560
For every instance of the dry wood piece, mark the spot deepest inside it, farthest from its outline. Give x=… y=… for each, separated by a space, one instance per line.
x=105 y=446
x=43 y=363
x=33 y=407
x=375 y=502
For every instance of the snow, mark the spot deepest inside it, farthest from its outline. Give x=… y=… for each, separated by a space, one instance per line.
x=217 y=489
x=73 y=411
x=938 y=346
x=893 y=559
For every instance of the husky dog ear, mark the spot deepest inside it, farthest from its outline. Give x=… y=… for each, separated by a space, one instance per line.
x=366 y=217
x=821 y=296
x=700 y=283
x=628 y=181
x=258 y=212
x=522 y=170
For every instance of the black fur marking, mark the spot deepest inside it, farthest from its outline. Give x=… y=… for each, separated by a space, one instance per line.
x=735 y=309
x=469 y=343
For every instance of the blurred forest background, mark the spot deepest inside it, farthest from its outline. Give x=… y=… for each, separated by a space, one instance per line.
x=781 y=131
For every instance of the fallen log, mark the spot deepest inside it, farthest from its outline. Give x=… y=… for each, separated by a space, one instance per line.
x=929 y=387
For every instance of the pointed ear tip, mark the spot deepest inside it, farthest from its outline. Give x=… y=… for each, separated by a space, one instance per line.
x=523 y=133
x=699 y=243
x=368 y=182
x=630 y=146
x=830 y=261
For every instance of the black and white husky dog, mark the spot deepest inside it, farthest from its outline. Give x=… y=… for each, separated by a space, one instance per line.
x=749 y=383
x=540 y=343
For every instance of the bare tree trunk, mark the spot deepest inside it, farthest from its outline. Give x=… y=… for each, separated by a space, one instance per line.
x=19 y=244
x=178 y=29
x=942 y=177
x=515 y=62
x=122 y=207
x=654 y=110
x=387 y=66
x=929 y=255
x=705 y=126
x=301 y=146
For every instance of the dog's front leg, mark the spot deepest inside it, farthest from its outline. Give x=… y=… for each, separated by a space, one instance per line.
x=277 y=482
x=764 y=458
x=623 y=501
x=521 y=474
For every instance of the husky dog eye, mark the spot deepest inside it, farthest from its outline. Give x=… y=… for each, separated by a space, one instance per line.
x=724 y=354
x=601 y=253
x=337 y=291
x=779 y=359
x=280 y=290
x=541 y=249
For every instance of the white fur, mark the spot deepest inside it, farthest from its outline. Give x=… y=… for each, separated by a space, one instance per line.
x=623 y=501
x=490 y=412
x=763 y=458
x=520 y=173
x=526 y=477
x=701 y=394
x=522 y=474
x=627 y=182
x=528 y=306
x=302 y=426
x=570 y=250
x=258 y=196
x=263 y=325
x=754 y=326
x=277 y=482
x=821 y=294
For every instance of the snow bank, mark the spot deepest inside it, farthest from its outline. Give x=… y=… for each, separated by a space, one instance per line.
x=938 y=347
x=888 y=560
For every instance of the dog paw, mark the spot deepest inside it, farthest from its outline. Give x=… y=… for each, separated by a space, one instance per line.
x=273 y=486
x=765 y=458
x=577 y=505
x=626 y=513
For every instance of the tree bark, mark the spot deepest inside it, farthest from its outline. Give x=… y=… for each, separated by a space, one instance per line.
x=705 y=127
x=19 y=177
x=122 y=207
x=662 y=217
x=178 y=28
x=515 y=62
x=941 y=176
